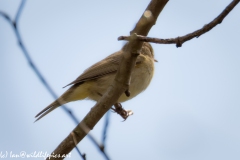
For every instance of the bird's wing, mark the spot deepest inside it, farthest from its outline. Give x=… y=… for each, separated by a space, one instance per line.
x=100 y=68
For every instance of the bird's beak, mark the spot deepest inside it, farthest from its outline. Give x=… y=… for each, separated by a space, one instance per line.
x=155 y=60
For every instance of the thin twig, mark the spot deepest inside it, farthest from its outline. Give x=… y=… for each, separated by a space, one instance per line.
x=20 y=9
x=180 y=40
x=104 y=135
x=83 y=155
x=14 y=24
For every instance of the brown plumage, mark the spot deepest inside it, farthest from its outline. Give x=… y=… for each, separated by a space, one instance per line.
x=94 y=81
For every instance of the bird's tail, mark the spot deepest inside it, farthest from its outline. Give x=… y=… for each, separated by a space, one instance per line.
x=50 y=108
x=76 y=92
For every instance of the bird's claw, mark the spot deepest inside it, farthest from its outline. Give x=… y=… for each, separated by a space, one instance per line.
x=121 y=111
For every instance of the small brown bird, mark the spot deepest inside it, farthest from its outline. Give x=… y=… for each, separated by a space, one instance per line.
x=94 y=81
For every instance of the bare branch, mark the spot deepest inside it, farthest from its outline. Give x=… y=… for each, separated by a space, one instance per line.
x=121 y=82
x=106 y=124
x=14 y=24
x=180 y=40
x=5 y=16
x=20 y=9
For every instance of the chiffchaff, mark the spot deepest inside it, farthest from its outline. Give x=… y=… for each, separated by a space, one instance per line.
x=94 y=81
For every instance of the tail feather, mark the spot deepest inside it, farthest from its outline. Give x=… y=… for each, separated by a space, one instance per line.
x=48 y=109
x=76 y=92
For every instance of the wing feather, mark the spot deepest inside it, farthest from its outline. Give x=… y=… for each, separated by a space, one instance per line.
x=100 y=68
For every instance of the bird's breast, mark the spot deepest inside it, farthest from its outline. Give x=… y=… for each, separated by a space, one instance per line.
x=140 y=79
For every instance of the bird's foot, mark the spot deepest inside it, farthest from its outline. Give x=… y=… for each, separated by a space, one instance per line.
x=121 y=111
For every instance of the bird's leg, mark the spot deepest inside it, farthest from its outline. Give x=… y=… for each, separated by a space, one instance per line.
x=122 y=112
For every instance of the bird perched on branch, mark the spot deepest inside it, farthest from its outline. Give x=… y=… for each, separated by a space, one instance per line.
x=95 y=80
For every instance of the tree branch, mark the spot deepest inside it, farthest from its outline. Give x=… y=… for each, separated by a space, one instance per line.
x=14 y=24
x=120 y=83
x=104 y=135
x=180 y=40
